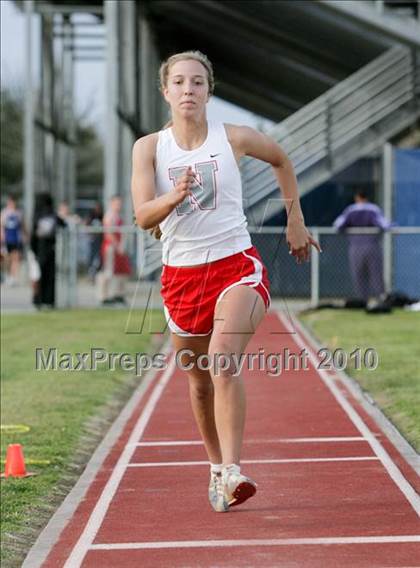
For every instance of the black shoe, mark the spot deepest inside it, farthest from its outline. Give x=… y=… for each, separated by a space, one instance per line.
x=119 y=300
x=378 y=307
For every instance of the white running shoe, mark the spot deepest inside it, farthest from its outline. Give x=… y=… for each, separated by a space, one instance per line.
x=217 y=493
x=238 y=488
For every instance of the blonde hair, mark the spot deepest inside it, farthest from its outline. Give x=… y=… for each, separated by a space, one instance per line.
x=185 y=56
x=156 y=232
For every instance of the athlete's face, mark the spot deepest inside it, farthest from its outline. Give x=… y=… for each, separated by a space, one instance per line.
x=187 y=89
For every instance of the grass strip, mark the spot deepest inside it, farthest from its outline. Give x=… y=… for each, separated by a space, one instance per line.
x=395 y=383
x=60 y=416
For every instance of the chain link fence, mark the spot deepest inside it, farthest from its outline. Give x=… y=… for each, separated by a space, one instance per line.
x=82 y=280
x=327 y=276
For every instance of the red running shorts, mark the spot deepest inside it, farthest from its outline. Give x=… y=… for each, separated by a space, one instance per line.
x=190 y=293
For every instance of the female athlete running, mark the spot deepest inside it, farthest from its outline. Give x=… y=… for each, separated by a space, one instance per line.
x=186 y=185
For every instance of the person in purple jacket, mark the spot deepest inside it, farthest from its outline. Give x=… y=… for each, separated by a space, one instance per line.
x=365 y=250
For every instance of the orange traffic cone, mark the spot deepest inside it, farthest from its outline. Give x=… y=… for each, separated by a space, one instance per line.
x=15 y=462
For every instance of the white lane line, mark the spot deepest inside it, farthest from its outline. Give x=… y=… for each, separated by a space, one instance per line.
x=393 y=471
x=387 y=430
x=273 y=461
x=257 y=542
x=275 y=441
x=171 y=443
x=97 y=516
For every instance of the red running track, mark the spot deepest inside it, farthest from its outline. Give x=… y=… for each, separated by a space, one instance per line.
x=332 y=489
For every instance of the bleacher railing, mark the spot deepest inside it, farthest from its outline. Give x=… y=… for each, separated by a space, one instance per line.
x=334 y=130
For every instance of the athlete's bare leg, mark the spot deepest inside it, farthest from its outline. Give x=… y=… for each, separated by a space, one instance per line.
x=201 y=393
x=237 y=316
x=15 y=264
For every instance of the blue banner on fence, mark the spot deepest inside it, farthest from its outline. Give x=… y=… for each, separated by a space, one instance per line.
x=406 y=248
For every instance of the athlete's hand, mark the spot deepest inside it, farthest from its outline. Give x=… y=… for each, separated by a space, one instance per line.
x=300 y=241
x=182 y=187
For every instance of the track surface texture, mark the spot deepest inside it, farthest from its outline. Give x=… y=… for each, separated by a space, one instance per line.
x=333 y=491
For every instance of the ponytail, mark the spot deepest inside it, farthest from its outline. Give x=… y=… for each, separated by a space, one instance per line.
x=156 y=232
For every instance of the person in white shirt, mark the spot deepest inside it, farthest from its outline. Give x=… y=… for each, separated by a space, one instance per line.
x=186 y=186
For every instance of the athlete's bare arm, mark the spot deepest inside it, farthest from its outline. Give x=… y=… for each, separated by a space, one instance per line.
x=249 y=142
x=150 y=210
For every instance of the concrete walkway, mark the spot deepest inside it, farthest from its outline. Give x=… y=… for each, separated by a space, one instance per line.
x=17 y=299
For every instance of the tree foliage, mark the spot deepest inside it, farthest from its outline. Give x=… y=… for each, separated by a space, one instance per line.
x=89 y=150
x=11 y=138
x=89 y=156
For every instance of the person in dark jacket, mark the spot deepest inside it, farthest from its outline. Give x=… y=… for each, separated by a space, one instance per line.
x=43 y=239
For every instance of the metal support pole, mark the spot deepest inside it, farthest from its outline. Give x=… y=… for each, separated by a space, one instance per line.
x=141 y=253
x=72 y=288
x=315 y=271
x=128 y=103
x=59 y=188
x=112 y=83
x=68 y=114
x=379 y=5
x=150 y=110
x=163 y=112
x=47 y=101
x=29 y=128
x=388 y=185
x=66 y=267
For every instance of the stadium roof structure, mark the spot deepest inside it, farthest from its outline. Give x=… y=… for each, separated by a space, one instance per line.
x=270 y=56
x=276 y=58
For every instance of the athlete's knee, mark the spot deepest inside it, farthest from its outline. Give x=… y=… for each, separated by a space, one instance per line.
x=223 y=359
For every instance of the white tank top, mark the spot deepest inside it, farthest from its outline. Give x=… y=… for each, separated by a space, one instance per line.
x=210 y=224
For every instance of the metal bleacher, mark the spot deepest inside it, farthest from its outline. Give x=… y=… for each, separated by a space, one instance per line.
x=347 y=122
